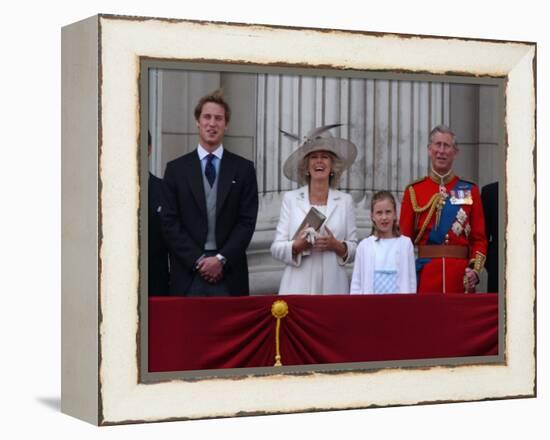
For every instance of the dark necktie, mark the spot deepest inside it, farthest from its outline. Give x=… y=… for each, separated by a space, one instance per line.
x=210 y=170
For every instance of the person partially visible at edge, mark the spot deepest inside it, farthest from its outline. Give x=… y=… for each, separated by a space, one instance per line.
x=443 y=215
x=489 y=197
x=157 y=250
x=384 y=262
x=210 y=207
x=315 y=260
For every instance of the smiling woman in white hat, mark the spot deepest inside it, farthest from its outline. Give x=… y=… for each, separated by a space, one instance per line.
x=315 y=259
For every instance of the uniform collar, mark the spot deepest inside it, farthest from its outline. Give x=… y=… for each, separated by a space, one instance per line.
x=441 y=179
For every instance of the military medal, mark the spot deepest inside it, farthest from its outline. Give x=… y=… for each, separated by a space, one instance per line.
x=457 y=228
x=453 y=198
x=461 y=216
x=461 y=197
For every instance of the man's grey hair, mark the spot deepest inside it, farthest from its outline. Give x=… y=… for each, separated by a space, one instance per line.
x=443 y=129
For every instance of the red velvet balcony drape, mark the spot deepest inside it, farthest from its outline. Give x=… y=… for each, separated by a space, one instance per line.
x=213 y=333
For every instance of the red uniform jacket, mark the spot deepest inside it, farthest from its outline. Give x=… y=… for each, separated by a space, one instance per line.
x=466 y=228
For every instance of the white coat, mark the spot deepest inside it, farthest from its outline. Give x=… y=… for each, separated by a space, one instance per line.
x=316 y=271
x=401 y=258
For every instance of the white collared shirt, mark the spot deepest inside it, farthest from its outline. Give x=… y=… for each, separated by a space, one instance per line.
x=218 y=152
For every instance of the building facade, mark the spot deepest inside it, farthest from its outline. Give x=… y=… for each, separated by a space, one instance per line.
x=387 y=119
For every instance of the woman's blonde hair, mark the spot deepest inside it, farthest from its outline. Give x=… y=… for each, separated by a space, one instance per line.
x=336 y=169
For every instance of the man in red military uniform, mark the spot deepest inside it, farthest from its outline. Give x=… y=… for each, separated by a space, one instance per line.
x=443 y=215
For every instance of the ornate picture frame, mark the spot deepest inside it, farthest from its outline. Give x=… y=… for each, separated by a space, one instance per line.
x=101 y=197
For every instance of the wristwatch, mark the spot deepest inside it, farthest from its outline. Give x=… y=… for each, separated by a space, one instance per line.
x=221 y=258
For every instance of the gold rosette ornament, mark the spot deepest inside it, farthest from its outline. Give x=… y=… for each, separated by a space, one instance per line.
x=279 y=309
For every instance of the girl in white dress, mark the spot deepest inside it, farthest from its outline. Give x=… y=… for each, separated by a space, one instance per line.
x=384 y=262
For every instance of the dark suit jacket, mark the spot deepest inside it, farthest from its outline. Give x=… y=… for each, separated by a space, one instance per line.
x=489 y=198
x=185 y=222
x=157 y=250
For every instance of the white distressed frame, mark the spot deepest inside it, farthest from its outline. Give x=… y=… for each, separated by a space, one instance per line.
x=122 y=41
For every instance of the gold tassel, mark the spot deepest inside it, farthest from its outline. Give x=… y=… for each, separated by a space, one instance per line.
x=279 y=309
x=434 y=206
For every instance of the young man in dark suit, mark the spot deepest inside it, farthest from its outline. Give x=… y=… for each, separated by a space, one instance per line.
x=209 y=210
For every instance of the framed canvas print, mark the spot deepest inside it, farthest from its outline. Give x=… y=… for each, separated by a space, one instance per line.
x=135 y=353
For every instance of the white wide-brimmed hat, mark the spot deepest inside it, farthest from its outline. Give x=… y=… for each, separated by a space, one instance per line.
x=319 y=139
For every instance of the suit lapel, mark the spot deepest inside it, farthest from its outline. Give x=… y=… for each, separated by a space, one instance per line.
x=302 y=199
x=195 y=182
x=333 y=201
x=225 y=180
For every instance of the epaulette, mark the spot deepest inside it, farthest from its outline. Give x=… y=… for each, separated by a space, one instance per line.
x=414 y=182
x=467 y=181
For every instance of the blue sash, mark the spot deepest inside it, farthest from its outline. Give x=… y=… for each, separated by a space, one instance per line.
x=446 y=220
x=448 y=215
x=419 y=264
